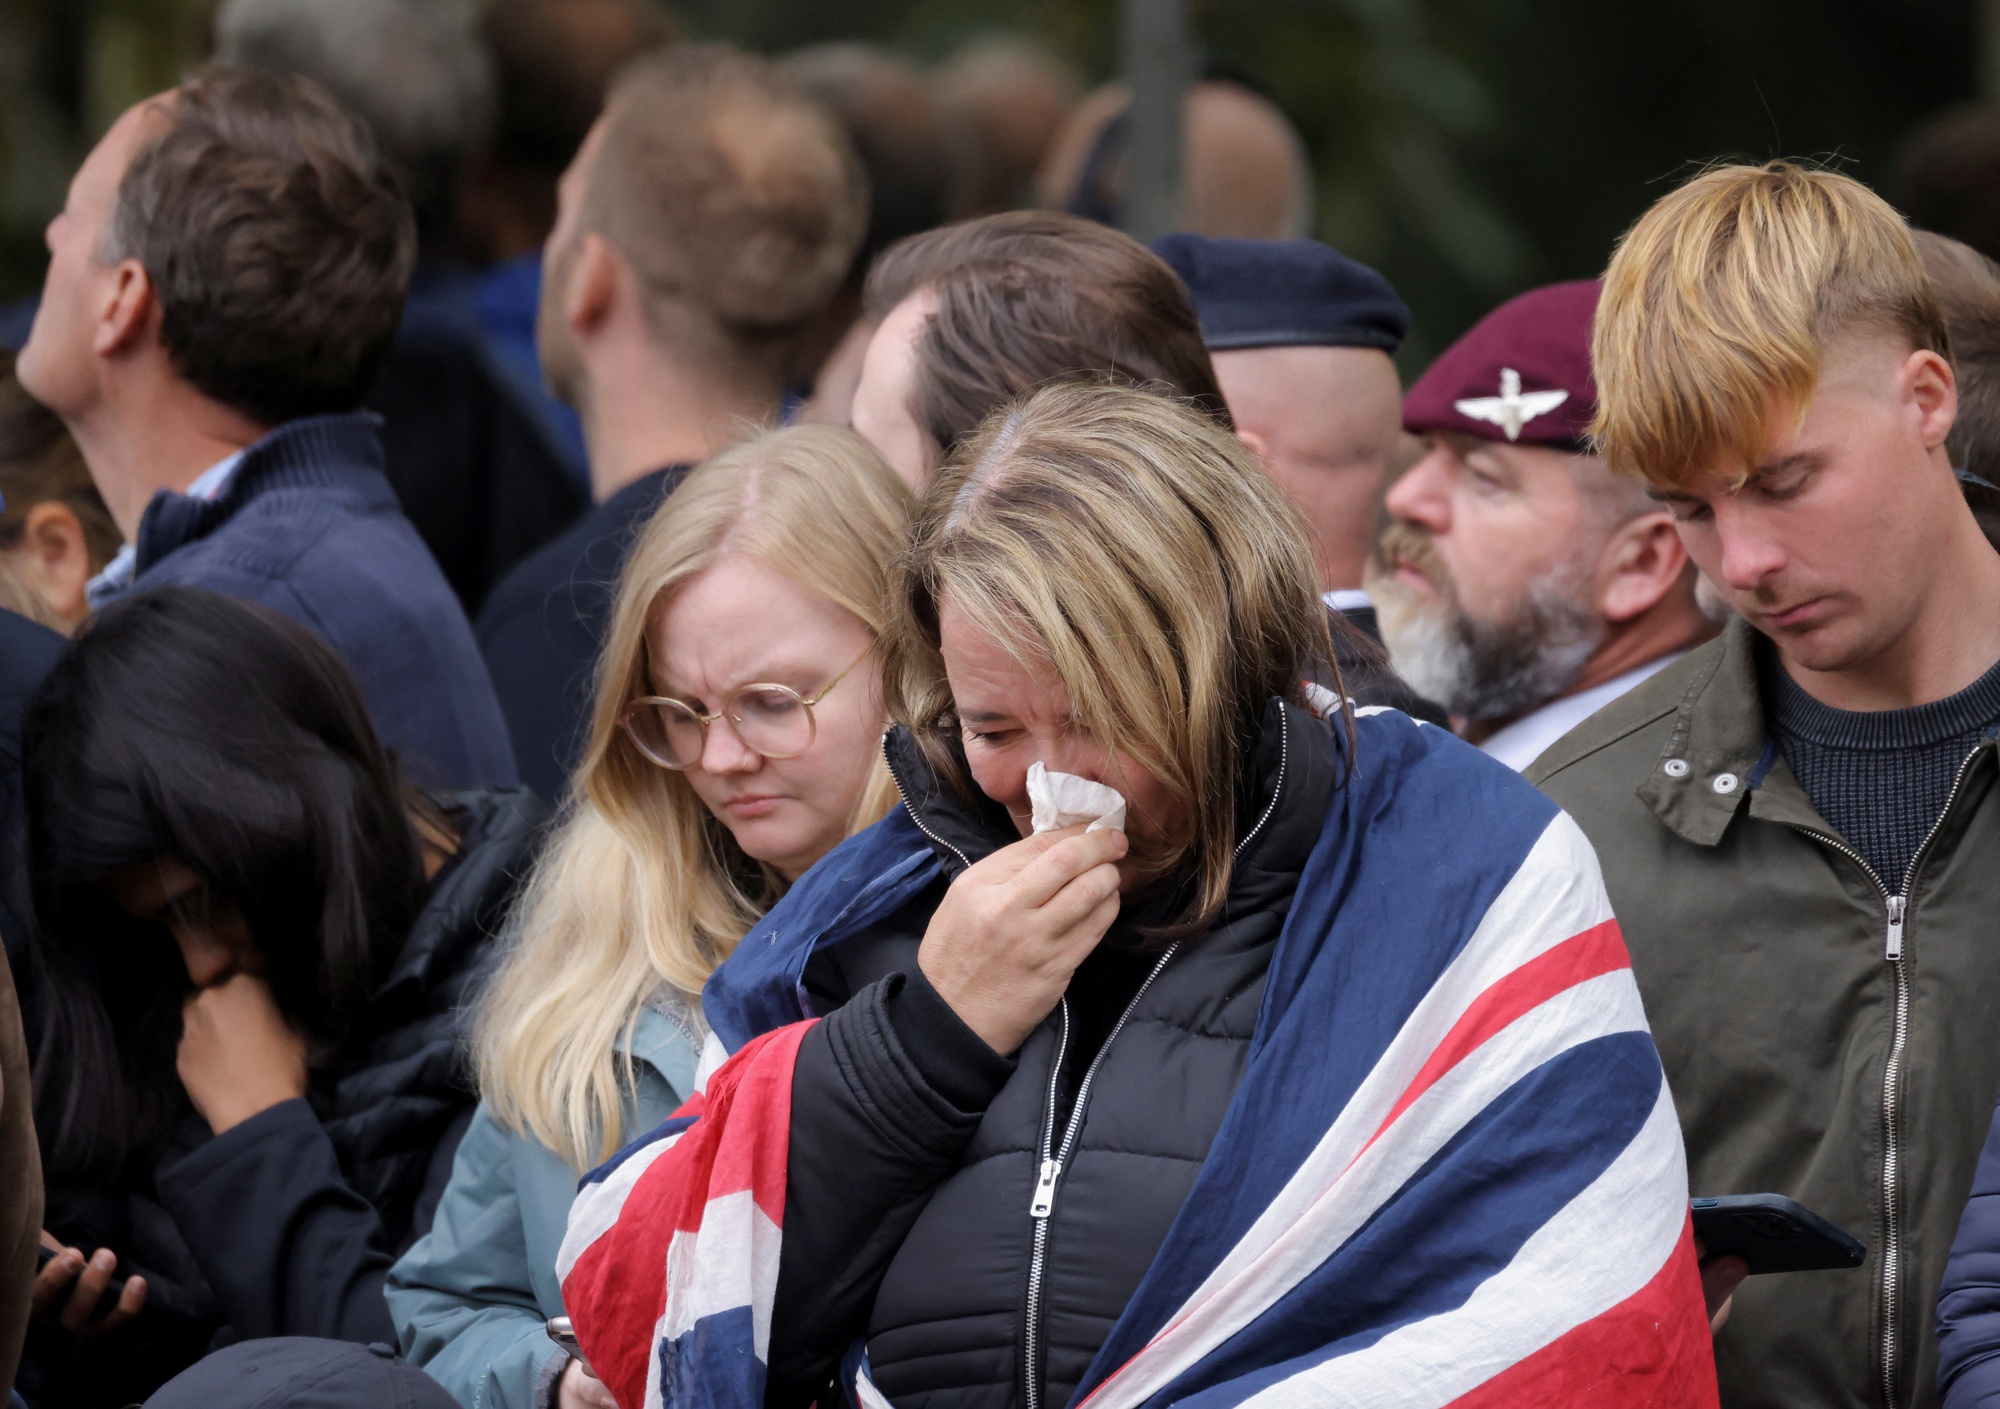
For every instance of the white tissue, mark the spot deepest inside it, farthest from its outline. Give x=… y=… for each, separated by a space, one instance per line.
x=1063 y=800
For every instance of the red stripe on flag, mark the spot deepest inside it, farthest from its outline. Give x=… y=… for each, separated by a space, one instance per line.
x=1651 y=1351
x=617 y=1291
x=1598 y=950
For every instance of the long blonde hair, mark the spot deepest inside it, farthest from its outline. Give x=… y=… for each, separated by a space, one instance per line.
x=642 y=891
x=1135 y=545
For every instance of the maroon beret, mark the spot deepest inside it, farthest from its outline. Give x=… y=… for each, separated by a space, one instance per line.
x=1521 y=373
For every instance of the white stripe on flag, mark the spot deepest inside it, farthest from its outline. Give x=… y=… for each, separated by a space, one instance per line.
x=1556 y=893
x=713 y=1055
x=1337 y=1191
x=1602 y=1248
x=731 y=1262
x=598 y=1206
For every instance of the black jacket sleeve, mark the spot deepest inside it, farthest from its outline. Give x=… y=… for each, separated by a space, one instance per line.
x=289 y=1248
x=886 y=1093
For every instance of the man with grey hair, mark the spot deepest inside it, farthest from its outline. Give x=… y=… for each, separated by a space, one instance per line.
x=470 y=447
x=1518 y=582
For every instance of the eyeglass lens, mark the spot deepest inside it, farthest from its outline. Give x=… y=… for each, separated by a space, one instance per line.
x=769 y=719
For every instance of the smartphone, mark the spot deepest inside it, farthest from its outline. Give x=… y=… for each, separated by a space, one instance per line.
x=563 y=1334
x=1773 y=1234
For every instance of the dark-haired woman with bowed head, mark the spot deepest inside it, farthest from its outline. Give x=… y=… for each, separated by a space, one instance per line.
x=254 y=943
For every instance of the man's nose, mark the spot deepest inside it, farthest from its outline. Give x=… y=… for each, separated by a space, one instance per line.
x=1750 y=554
x=1422 y=495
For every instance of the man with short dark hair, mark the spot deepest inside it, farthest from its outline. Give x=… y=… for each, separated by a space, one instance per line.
x=223 y=280
x=976 y=314
x=706 y=221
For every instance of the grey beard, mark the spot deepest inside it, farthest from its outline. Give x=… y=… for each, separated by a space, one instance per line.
x=1489 y=671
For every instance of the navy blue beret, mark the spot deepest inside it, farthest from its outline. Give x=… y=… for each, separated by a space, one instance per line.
x=1283 y=293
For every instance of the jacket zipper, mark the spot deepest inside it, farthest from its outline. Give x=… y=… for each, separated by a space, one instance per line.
x=1896 y=908
x=963 y=860
x=1041 y=1205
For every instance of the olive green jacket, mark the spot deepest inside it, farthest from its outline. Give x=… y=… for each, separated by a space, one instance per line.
x=1804 y=1060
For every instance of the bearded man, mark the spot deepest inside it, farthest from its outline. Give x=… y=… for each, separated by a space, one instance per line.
x=1518 y=582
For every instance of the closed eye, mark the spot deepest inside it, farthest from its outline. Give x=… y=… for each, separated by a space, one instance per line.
x=1789 y=487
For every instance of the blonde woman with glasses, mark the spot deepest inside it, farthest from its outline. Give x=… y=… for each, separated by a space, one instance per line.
x=735 y=741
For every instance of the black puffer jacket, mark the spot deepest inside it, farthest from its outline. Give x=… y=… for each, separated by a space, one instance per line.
x=916 y=1150
x=287 y=1223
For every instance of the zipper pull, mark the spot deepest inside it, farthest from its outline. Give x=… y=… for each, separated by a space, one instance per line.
x=1894 y=950
x=1045 y=1189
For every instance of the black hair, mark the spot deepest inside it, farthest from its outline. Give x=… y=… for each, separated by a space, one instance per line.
x=187 y=725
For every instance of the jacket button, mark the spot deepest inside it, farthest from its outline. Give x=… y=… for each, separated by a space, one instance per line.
x=1724 y=783
x=1675 y=768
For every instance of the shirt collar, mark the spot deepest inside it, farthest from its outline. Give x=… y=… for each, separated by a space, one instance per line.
x=1522 y=742
x=117 y=575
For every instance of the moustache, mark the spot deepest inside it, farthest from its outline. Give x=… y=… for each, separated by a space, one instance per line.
x=1405 y=544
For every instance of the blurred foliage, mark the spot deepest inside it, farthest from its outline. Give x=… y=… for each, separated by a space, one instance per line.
x=1470 y=148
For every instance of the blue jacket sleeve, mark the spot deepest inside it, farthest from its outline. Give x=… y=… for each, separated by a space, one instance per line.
x=464 y=1298
x=1969 y=1301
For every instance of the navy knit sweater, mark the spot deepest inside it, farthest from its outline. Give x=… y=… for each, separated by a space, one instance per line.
x=1880 y=777
x=309 y=527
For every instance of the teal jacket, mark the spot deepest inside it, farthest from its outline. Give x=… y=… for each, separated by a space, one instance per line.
x=469 y=1300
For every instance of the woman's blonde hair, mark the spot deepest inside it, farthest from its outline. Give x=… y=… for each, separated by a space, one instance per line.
x=1138 y=548
x=642 y=890
x=1719 y=301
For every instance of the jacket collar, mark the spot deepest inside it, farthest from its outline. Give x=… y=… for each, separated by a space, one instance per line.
x=1714 y=751
x=320 y=452
x=498 y=836
x=1719 y=757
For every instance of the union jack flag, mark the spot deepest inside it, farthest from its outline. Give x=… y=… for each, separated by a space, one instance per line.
x=1451 y=1175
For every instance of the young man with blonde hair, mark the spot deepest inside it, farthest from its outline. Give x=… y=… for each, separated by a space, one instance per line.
x=1797 y=821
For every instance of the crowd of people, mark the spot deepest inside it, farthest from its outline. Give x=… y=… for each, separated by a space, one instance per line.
x=671 y=733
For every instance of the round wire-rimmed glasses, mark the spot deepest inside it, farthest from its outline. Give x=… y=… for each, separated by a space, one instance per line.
x=774 y=721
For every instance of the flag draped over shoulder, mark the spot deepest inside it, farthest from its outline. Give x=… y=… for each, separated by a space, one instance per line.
x=1451 y=1175
x=670 y=1263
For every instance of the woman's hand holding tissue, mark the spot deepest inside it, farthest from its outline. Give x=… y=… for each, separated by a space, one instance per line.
x=1011 y=930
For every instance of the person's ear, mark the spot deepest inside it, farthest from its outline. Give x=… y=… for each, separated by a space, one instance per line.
x=1643 y=561
x=129 y=311
x=1932 y=387
x=1259 y=447
x=58 y=559
x=593 y=285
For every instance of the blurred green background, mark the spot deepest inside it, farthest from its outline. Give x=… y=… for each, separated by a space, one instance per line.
x=1469 y=148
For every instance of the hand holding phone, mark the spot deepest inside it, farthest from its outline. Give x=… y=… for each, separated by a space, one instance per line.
x=1773 y=1234
x=579 y=1387
x=81 y=1295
